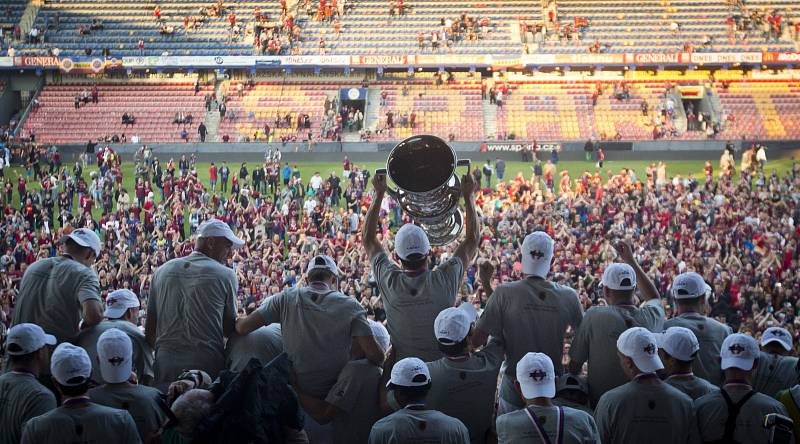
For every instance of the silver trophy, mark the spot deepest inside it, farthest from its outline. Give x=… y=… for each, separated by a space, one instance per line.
x=428 y=189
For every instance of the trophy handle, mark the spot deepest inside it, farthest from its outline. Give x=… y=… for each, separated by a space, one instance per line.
x=464 y=162
x=389 y=190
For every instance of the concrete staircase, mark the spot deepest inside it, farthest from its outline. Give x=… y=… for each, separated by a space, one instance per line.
x=29 y=16
x=211 y=119
x=489 y=120
x=372 y=115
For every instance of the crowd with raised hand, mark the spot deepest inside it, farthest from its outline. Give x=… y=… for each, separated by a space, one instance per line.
x=603 y=311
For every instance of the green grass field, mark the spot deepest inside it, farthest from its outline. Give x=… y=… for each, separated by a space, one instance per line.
x=692 y=168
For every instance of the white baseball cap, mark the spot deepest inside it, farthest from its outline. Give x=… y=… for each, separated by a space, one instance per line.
x=70 y=365
x=452 y=324
x=381 y=335
x=619 y=276
x=119 y=301
x=640 y=345
x=218 y=228
x=779 y=335
x=679 y=342
x=85 y=238
x=410 y=372
x=536 y=376
x=409 y=240
x=323 y=262
x=537 y=254
x=738 y=351
x=689 y=286
x=26 y=338
x=115 y=355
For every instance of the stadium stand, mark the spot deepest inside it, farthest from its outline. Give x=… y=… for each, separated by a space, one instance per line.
x=153 y=104
x=769 y=109
x=10 y=14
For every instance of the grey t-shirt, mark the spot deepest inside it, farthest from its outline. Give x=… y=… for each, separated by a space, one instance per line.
x=413 y=302
x=640 y=412
x=51 y=293
x=88 y=423
x=317 y=328
x=693 y=386
x=712 y=412
x=263 y=344
x=356 y=395
x=418 y=426
x=142 y=352
x=775 y=373
x=531 y=315
x=517 y=427
x=143 y=403
x=193 y=297
x=596 y=341
x=466 y=389
x=22 y=397
x=710 y=333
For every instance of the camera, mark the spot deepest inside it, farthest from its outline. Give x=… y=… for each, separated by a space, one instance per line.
x=780 y=428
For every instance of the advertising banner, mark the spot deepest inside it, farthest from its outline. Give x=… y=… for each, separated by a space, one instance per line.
x=382 y=60
x=723 y=57
x=512 y=146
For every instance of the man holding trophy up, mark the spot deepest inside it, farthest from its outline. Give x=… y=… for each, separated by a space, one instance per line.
x=412 y=293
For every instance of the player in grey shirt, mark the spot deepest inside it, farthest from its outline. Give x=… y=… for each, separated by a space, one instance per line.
x=22 y=397
x=595 y=340
x=677 y=348
x=413 y=295
x=690 y=294
x=57 y=292
x=415 y=421
x=645 y=409
x=466 y=382
x=122 y=313
x=192 y=306
x=542 y=421
x=353 y=403
x=532 y=314
x=264 y=344
x=738 y=360
x=777 y=369
x=78 y=419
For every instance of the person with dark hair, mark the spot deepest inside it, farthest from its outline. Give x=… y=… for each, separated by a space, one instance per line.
x=58 y=292
x=318 y=325
x=595 y=339
x=413 y=295
x=78 y=419
x=690 y=294
x=677 y=348
x=410 y=383
x=22 y=397
x=466 y=381
x=192 y=306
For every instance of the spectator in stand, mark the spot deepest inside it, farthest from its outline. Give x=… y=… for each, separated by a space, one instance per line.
x=193 y=299
x=202 y=130
x=402 y=288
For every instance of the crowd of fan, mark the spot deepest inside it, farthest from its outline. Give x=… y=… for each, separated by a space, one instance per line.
x=738 y=231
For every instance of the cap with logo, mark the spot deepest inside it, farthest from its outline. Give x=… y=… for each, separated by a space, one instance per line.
x=115 y=353
x=381 y=335
x=27 y=338
x=679 y=342
x=779 y=335
x=738 y=351
x=640 y=345
x=323 y=262
x=619 y=276
x=689 y=286
x=536 y=376
x=85 y=238
x=119 y=301
x=537 y=254
x=218 y=228
x=411 y=240
x=410 y=372
x=452 y=324
x=70 y=365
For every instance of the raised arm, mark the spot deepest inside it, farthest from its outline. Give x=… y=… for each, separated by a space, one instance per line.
x=369 y=234
x=646 y=286
x=466 y=251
